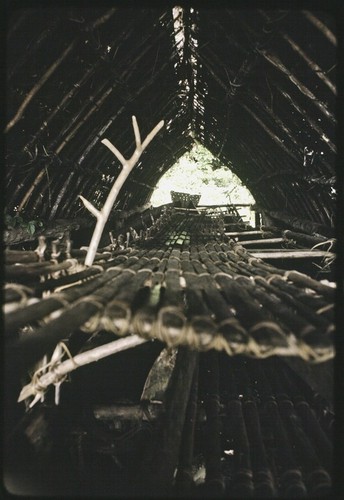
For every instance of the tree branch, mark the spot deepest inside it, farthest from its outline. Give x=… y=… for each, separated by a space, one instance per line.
x=127 y=166
x=114 y=150
x=90 y=207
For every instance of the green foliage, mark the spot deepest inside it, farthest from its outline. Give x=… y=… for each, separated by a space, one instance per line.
x=17 y=221
x=199 y=172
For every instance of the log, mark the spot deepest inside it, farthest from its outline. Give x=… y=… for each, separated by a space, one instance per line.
x=117 y=314
x=33 y=312
x=303 y=239
x=20 y=256
x=308 y=282
x=305 y=225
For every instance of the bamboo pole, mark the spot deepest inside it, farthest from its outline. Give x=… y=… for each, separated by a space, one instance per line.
x=275 y=61
x=199 y=314
x=316 y=319
x=58 y=372
x=21 y=272
x=37 y=87
x=41 y=309
x=30 y=348
x=313 y=301
x=13 y=292
x=291 y=480
x=263 y=479
x=296 y=277
x=319 y=481
x=214 y=481
x=69 y=279
x=319 y=438
x=303 y=239
x=20 y=256
x=242 y=484
x=321 y=26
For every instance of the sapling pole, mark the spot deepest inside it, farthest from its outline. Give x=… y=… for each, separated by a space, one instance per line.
x=57 y=373
x=127 y=166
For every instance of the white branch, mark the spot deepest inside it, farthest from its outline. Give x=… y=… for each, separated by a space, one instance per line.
x=128 y=165
x=57 y=373
x=152 y=134
x=90 y=207
x=137 y=133
x=114 y=150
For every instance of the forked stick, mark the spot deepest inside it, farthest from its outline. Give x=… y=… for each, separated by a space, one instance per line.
x=103 y=214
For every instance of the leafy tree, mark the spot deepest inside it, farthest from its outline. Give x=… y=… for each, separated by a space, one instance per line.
x=199 y=172
x=17 y=221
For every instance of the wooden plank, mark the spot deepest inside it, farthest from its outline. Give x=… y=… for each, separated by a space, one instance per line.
x=233 y=234
x=291 y=254
x=127 y=412
x=264 y=241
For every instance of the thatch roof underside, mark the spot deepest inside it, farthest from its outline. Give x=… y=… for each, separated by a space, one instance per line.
x=257 y=88
x=200 y=348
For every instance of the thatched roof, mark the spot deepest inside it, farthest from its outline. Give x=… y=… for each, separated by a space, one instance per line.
x=232 y=385
x=256 y=87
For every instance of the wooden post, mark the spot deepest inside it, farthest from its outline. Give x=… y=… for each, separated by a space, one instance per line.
x=157 y=473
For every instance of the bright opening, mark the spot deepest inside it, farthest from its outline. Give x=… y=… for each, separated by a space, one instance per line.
x=199 y=172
